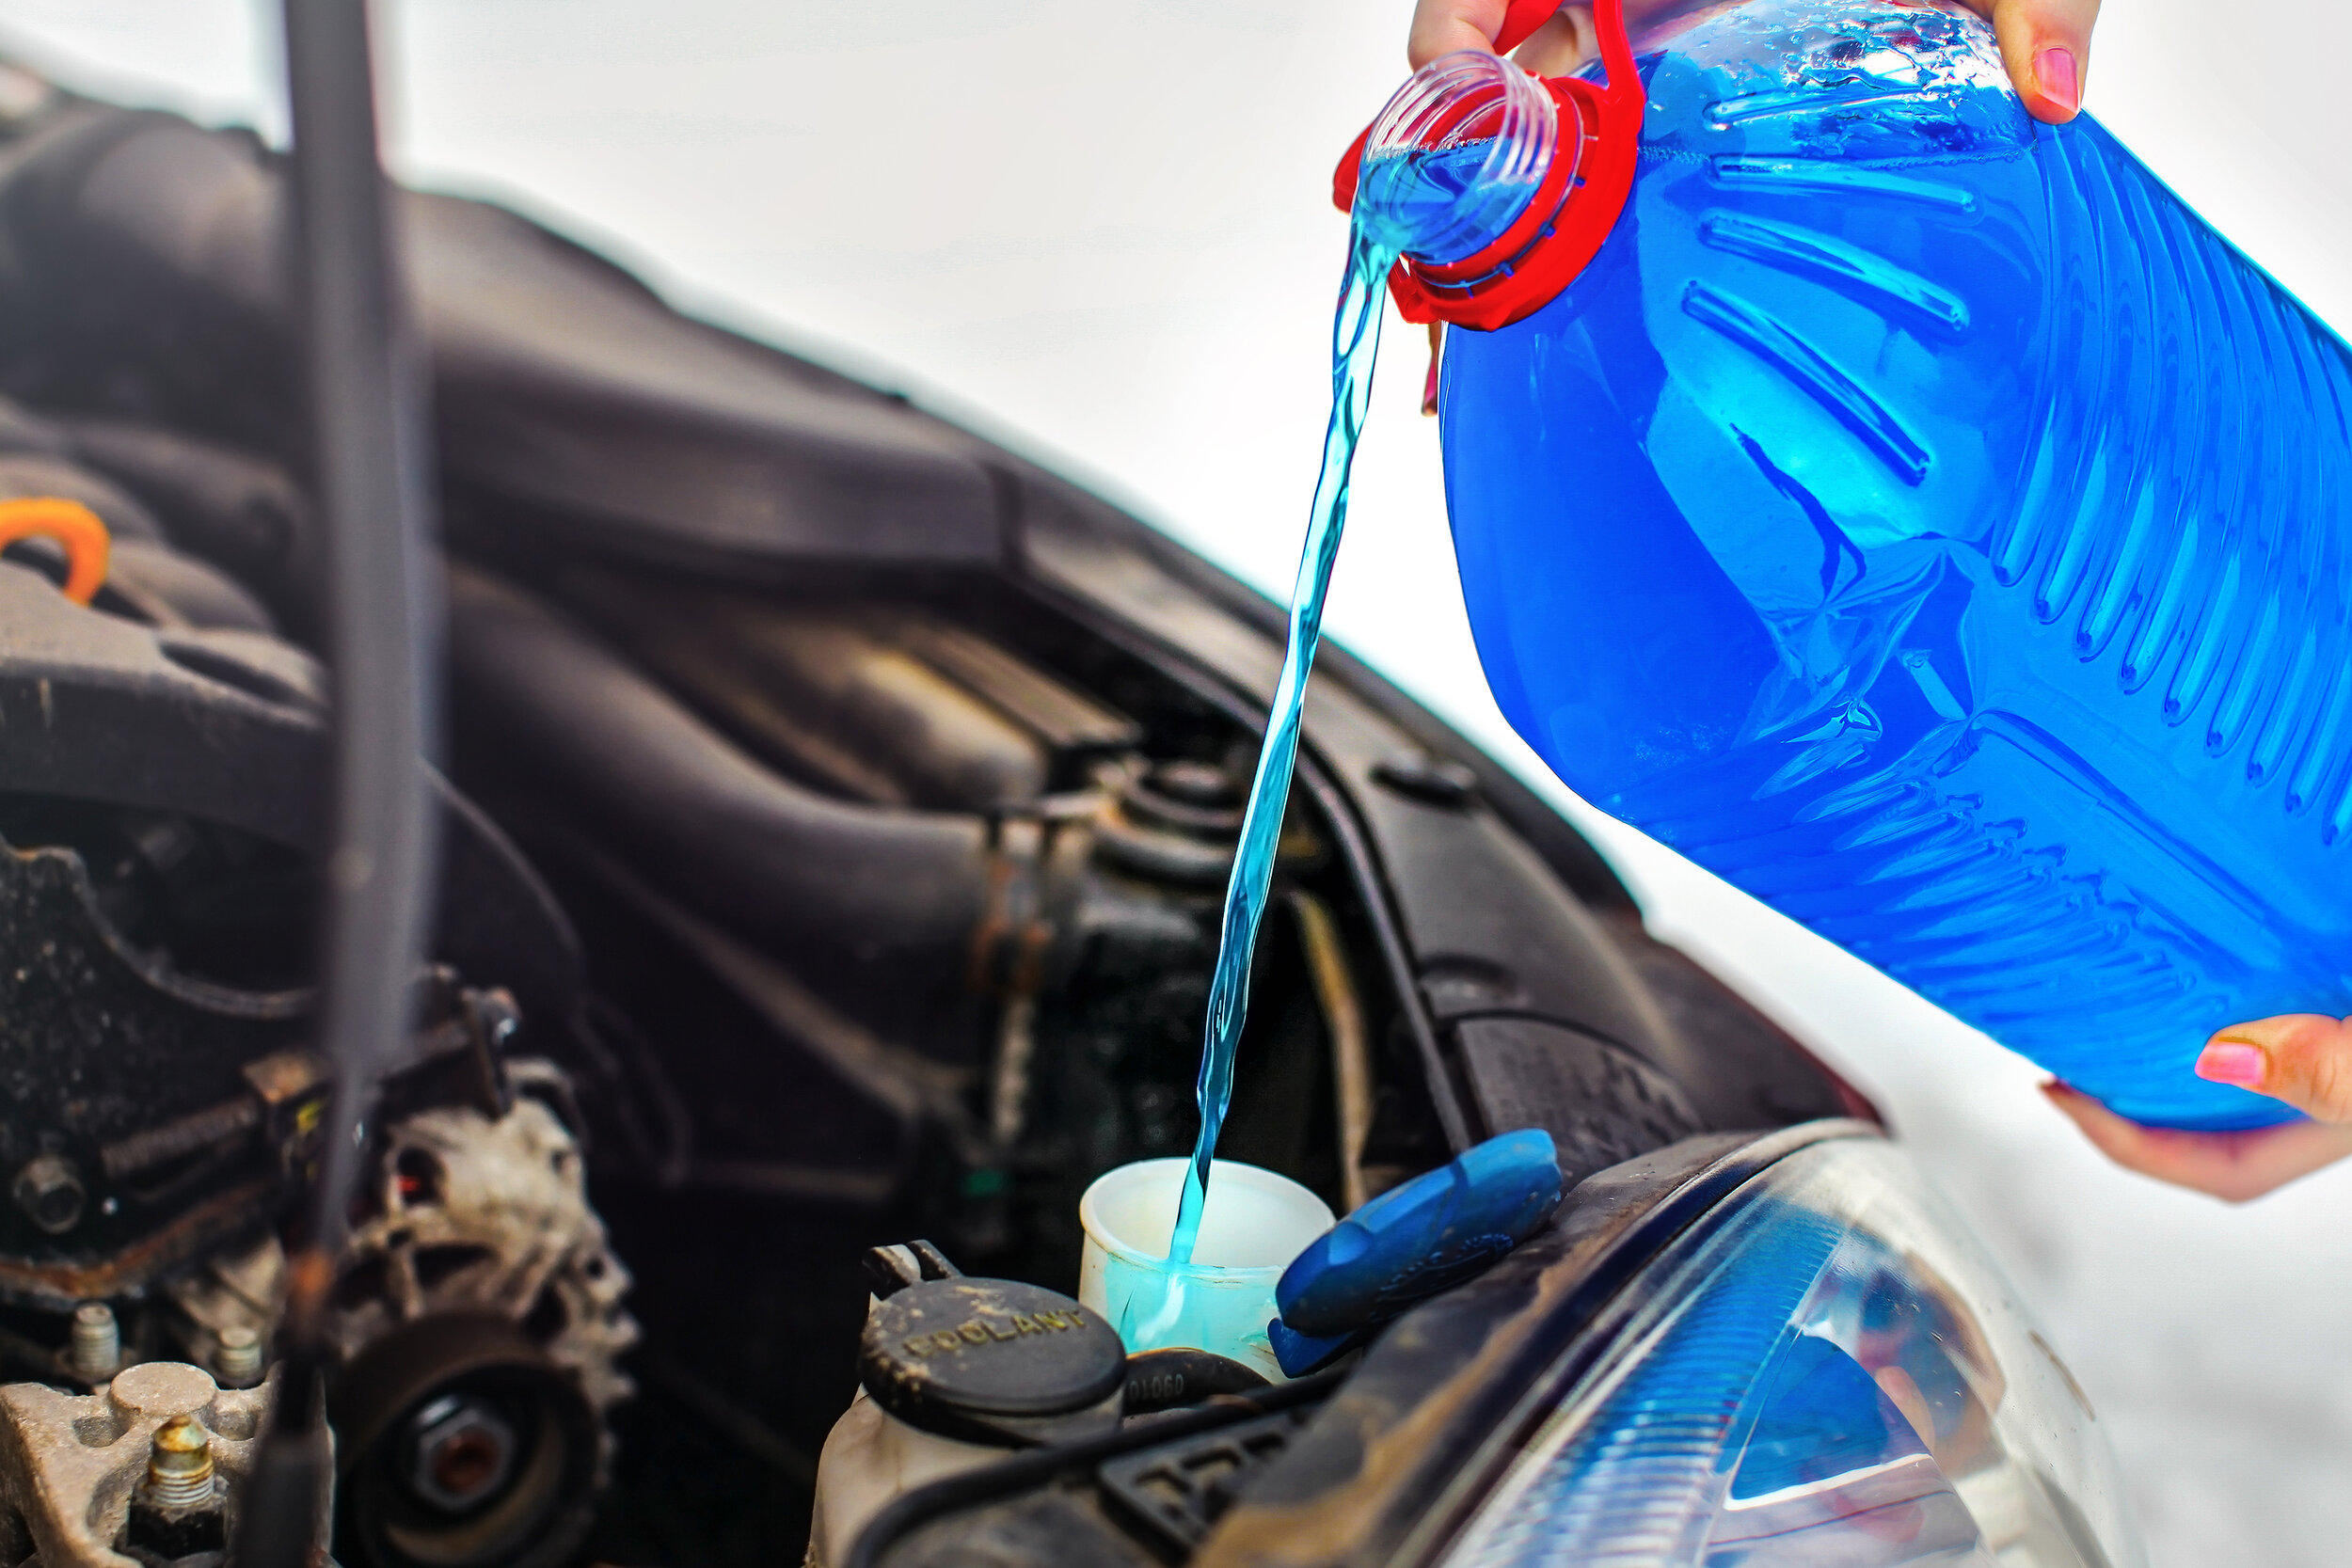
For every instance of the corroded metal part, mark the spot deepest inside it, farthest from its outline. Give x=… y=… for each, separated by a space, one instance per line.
x=103 y=1037
x=476 y=1215
x=94 y=1346
x=73 y=1466
x=237 y=1358
x=237 y=1293
x=179 y=1467
x=481 y=1216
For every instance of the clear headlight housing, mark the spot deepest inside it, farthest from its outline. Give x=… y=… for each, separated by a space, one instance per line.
x=1828 y=1373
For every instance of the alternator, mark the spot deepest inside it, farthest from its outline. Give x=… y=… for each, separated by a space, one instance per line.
x=478 y=1317
x=490 y=1217
x=479 y=1312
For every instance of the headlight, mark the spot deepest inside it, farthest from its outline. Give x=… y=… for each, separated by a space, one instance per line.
x=1827 y=1374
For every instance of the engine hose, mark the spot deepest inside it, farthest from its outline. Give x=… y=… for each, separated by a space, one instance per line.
x=898 y=900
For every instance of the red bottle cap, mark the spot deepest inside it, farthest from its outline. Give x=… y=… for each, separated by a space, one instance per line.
x=1572 y=211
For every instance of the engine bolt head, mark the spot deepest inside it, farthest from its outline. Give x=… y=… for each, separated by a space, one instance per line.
x=49 y=1192
x=461 y=1453
x=95 y=1350
x=180 y=1465
x=237 y=1356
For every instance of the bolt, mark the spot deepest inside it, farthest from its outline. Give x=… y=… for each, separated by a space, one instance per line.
x=180 y=1465
x=177 y=1514
x=96 y=1349
x=237 y=1358
x=49 y=1190
x=461 y=1452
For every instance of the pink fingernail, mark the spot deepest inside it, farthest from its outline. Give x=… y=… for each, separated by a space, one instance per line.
x=2227 y=1061
x=2054 y=73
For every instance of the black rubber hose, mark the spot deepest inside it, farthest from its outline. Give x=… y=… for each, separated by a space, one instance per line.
x=898 y=896
x=367 y=432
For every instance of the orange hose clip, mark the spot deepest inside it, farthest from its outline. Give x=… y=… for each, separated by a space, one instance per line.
x=75 y=527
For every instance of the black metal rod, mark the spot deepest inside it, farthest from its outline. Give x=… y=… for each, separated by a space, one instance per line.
x=368 y=440
x=370 y=470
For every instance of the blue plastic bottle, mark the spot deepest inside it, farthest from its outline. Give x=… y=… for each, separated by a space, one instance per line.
x=1918 y=516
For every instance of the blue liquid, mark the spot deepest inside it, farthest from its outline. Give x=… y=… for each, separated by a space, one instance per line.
x=1405 y=202
x=1354 y=344
x=1919 y=518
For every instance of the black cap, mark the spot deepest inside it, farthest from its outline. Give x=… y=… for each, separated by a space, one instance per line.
x=960 y=1356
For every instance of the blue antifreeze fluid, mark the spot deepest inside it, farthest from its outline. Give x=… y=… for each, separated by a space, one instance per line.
x=1356 y=341
x=1442 y=199
x=1354 y=344
x=1918 y=516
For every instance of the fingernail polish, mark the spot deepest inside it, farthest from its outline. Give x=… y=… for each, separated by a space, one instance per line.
x=2054 y=73
x=2228 y=1062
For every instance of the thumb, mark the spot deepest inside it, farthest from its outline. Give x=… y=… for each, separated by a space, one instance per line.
x=2302 y=1058
x=2047 y=46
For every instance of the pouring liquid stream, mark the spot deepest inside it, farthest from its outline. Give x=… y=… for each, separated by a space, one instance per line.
x=1404 y=191
x=1354 y=344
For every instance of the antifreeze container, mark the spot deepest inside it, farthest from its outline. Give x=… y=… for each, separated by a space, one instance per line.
x=1918 y=516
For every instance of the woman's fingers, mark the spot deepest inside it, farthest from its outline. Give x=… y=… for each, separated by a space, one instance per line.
x=1445 y=26
x=2234 y=1166
x=2047 y=46
x=2303 y=1058
x=1556 y=48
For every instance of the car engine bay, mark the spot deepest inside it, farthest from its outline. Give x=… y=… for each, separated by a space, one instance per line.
x=834 y=818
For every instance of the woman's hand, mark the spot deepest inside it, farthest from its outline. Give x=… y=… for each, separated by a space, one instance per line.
x=2046 y=43
x=1558 y=47
x=2304 y=1059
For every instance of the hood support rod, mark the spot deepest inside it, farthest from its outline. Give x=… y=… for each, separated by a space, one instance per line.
x=370 y=470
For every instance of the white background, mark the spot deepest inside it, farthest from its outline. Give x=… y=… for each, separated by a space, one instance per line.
x=1102 y=232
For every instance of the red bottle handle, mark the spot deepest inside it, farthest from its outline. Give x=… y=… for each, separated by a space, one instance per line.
x=1573 y=210
x=1520 y=21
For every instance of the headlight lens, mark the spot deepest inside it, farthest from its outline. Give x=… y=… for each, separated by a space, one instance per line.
x=1831 y=1374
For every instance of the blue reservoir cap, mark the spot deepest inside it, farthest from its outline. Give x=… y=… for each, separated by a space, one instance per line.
x=1299 y=1353
x=1427 y=1236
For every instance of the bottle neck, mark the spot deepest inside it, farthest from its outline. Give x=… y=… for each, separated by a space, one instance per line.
x=1456 y=157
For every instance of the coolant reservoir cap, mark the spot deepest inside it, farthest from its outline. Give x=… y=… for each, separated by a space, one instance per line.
x=938 y=1353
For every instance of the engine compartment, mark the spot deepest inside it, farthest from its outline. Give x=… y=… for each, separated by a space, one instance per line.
x=834 y=814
